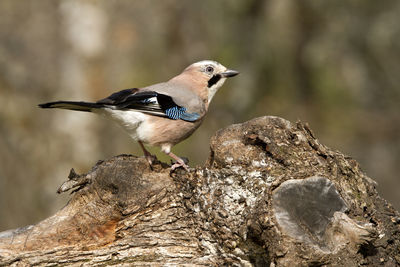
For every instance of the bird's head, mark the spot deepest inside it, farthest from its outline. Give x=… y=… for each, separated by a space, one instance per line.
x=208 y=76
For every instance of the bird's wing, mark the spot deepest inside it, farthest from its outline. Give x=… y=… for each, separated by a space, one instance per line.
x=118 y=97
x=150 y=102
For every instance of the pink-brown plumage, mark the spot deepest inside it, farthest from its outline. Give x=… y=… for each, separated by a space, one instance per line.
x=162 y=114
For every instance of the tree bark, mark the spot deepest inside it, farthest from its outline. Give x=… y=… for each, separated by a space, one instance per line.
x=270 y=194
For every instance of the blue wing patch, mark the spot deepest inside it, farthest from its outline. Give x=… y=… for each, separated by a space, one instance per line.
x=179 y=113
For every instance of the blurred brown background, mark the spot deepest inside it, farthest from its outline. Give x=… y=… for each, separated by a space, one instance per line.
x=334 y=64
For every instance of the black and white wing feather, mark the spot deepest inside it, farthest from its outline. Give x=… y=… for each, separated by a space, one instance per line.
x=149 y=102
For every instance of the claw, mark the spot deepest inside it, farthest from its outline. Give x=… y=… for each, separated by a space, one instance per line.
x=179 y=164
x=149 y=157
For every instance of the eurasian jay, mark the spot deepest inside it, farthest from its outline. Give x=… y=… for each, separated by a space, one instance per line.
x=162 y=114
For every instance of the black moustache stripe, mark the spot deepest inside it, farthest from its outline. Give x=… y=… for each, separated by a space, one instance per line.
x=214 y=79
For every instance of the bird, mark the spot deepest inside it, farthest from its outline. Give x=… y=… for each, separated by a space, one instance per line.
x=162 y=114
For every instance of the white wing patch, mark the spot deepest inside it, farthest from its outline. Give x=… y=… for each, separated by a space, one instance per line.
x=152 y=100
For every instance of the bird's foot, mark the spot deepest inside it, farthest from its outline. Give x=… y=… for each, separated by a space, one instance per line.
x=179 y=162
x=150 y=158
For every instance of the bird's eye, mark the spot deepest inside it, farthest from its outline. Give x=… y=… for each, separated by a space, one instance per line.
x=210 y=69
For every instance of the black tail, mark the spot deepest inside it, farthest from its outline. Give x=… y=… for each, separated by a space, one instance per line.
x=72 y=105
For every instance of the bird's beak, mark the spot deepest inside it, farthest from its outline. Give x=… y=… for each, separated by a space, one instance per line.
x=229 y=73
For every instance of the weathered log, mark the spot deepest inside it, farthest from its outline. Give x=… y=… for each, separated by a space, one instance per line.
x=270 y=194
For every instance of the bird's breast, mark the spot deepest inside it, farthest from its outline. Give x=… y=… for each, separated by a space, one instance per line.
x=157 y=131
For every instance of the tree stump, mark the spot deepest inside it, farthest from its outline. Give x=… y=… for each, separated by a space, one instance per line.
x=270 y=194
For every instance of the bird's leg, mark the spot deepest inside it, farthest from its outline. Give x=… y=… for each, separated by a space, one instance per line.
x=179 y=162
x=149 y=157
